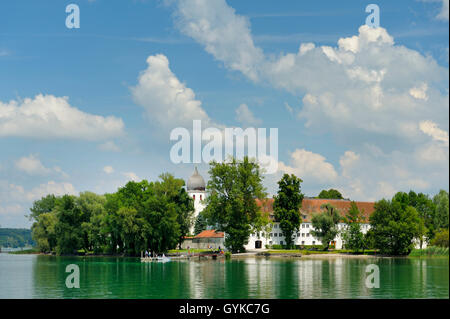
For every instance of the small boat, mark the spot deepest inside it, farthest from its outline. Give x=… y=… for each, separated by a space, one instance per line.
x=163 y=258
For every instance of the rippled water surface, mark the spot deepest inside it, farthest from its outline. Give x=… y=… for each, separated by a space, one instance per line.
x=32 y=276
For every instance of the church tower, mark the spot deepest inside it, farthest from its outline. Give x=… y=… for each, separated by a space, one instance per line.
x=196 y=188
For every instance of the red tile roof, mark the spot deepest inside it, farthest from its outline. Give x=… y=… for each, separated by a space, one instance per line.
x=313 y=205
x=210 y=234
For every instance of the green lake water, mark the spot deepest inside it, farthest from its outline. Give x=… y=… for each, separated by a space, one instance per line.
x=32 y=276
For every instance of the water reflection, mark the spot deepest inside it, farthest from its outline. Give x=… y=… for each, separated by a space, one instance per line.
x=44 y=277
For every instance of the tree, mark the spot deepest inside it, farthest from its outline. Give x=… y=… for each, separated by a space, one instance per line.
x=68 y=229
x=441 y=238
x=200 y=224
x=330 y=194
x=325 y=225
x=43 y=232
x=352 y=235
x=41 y=206
x=394 y=227
x=440 y=201
x=425 y=208
x=173 y=188
x=287 y=205
x=231 y=205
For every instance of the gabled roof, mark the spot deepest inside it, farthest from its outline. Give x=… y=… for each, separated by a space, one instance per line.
x=311 y=206
x=211 y=233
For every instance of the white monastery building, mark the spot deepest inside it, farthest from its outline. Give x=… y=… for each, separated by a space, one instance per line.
x=196 y=188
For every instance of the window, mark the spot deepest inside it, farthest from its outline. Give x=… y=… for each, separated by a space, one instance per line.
x=303 y=242
x=307 y=234
x=314 y=242
x=307 y=225
x=275 y=235
x=298 y=234
x=281 y=242
x=275 y=226
x=270 y=235
x=303 y=234
x=193 y=196
x=280 y=234
x=303 y=225
x=270 y=242
x=200 y=197
x=304 y=216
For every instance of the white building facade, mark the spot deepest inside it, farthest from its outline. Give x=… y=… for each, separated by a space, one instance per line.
x=196 y=188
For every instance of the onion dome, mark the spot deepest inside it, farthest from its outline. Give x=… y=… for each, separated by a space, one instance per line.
x=196 y=182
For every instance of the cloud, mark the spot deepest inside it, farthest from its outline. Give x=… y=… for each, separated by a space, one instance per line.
x=432 y=129
x=109 y=146
x=108 y=169
x=311 y=167
x=51 y=187
x=167 y=100
x=222 y=32
x=47 y=116
x=443 y=14
x=132 y=176
x=31 y=165
x=367 y=92
x=246 y=117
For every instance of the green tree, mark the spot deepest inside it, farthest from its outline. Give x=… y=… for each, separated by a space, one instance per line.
x=43 y=205
x=173 y=188
x=352 y=235
x=43 y=232
x=69 y=233
x=231 y=205
x=441 y=238
x=325 y=225
x=330 y=194
x=200 y=224
x=287 y=205
x=425 y=208
x=394 y=227
x=440 y=200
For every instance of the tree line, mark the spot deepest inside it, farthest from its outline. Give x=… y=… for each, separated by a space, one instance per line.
x=140 y=215
x=158 y=215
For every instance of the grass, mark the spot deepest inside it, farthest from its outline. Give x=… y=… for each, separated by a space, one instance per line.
x=316 y=252
x=432 y=251
x=25 y=251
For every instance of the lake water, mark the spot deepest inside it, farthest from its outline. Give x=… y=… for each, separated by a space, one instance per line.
x=33 y=276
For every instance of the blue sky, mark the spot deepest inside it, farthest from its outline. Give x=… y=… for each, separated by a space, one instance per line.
x=369 y=119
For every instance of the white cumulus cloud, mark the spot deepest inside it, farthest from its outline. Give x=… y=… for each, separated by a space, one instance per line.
x=48 y=116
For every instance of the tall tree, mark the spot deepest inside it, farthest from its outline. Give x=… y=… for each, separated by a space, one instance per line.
x=41 y=206
x=287 y=205
x=325 y=225
x=231 y=205
x=43 y=232
x=68 y=228
x=424 y=207
x=440 y=201
x=200 y=224
x=352 y=235
x=394 y=227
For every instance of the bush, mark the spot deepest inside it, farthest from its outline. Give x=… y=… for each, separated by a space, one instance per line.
x=441 y=238
x=227 y=255
x=430 y=251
